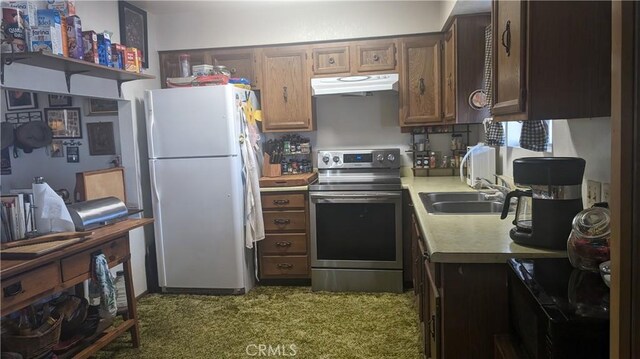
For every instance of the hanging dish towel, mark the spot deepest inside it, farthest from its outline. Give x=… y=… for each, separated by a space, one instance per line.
x=101 y=287
x=534 y=135
x=488 y=66
x=493 y=132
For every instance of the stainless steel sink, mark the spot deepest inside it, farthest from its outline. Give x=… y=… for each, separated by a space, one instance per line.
x=461 y=203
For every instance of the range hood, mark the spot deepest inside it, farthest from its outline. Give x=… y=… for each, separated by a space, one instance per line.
x=353 y=84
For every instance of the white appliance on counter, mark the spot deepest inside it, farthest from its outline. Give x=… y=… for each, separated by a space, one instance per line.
x=197 y=189
x=480 y=162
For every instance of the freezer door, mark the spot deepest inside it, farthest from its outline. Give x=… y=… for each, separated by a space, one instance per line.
x=192 y=122
x=197 y=205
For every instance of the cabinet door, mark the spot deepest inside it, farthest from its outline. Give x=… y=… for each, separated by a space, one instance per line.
x=420 y=87
x=509 y=50
x=449 y=73
x=286 y=91
x=331 y=60
x=239 y=63
x=375 y=56
x=432 y=312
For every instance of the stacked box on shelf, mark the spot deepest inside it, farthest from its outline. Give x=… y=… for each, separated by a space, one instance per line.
x=13 y=31
x=75 y=42
x=90 y=46
x=47 y=36
x=64 y=7
x=104 y=49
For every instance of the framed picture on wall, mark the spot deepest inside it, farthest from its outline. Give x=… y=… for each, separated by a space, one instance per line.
x=133 y=29
x=101 y=141
x=59 y=101
x=21 y=100
x=101 y=107
x=64 y=122
x=57 y=148
x=73 y=154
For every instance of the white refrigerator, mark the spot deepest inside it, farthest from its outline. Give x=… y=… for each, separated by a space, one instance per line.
x=197 y=189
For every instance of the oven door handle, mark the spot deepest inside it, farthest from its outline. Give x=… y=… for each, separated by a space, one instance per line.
x=333 y=196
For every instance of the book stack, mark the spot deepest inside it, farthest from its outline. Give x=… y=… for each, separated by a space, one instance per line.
x=16 y=216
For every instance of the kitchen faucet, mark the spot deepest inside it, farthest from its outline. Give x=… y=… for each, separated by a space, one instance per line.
x=503 y=190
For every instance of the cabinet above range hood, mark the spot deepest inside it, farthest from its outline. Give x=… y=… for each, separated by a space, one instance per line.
x=356 y=85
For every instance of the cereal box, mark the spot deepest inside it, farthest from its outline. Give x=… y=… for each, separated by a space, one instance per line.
x=74 y=37
x=90 y=46
x=131 y=60
x=118 y=55
x=13 y=36
x=65 y=7
x=51 y=19
x=42 y=39
x=29 y=9
x=104 y=49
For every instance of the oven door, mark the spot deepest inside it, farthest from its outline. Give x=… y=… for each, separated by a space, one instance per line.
x=354 y=229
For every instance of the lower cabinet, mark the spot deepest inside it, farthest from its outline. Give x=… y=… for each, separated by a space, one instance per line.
x=461 y=305
x=284 y=253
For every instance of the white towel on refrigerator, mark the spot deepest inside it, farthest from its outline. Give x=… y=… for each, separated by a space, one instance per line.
x=254 y=223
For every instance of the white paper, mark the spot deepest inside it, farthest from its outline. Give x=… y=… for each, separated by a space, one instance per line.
x=51 y=212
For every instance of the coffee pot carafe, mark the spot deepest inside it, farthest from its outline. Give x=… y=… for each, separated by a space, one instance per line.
x=549 y=196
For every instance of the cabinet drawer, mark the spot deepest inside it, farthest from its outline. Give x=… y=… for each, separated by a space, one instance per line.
x=80 y=264
x=285 y=221
x=332 y=60
x=375 y=56
x=284 y=243
x=17 y=290
x=274 y=201
x=285 y=266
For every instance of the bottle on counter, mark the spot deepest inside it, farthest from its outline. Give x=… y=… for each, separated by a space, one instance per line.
x=432 y=160
x=185 y=65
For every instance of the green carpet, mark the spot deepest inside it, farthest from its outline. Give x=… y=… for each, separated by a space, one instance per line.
x=290 y=320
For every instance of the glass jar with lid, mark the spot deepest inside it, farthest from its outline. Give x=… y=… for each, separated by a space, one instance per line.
x=588 y=243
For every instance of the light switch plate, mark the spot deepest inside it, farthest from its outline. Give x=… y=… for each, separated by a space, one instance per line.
x=605 y=192
x=593 y=192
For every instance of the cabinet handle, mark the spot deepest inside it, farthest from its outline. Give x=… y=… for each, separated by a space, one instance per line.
x=421 y=85
x=283 y=244
x=280 y=221
x=12 y=290
x=285 y=266
x=432 y=326
x=233 y=70
x=376 y=57
x=332 y=61
x=449 y=80
x=507 y=32
x=285 y=95
x=280 y=202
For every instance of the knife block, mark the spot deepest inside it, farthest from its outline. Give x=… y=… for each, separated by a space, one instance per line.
x=270 y=169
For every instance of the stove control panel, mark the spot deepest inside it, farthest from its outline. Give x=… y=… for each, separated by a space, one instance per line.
x=345 y=159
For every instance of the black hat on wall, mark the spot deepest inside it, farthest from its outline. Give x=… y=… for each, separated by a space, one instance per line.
x=34 y=134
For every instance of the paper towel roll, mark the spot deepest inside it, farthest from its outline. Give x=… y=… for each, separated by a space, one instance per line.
x=51 y=212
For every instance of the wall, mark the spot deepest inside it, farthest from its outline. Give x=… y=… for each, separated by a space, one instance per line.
x=200 y=24
x=589 y=138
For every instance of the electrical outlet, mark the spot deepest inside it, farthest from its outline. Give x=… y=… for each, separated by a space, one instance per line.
x=593 y=192
x=605 y=192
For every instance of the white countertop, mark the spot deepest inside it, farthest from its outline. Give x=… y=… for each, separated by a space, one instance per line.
x=467 y=238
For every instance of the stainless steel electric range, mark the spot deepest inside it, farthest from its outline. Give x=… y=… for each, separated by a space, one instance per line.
x=356 y=221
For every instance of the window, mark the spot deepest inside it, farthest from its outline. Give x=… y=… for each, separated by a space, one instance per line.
x=512 y=130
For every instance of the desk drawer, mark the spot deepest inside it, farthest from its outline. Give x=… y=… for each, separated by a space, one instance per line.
x=284 y=243
x=285 y=221
x=80 y=264
x=276 y=201
x=285 y=266
x=22 y=287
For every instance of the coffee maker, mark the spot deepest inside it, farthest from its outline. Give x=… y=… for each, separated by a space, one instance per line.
x=549 y=196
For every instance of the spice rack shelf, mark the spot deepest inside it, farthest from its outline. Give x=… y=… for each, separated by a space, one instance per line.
x=454 y=130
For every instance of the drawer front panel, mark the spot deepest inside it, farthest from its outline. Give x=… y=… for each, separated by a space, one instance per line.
x=285 y=243
x=28 y=285
x=80 y=264
x=276 y=201
x=285 y=266
x=285 y=221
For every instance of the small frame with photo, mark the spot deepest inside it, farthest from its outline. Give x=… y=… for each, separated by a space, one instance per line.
x=102 y=107
x=73 y=154
x=57 y=148
x=60 y=100
x=21 y=100
x=64 y=122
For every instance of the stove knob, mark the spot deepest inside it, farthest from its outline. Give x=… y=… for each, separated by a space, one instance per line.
x=336 y=159
x=326 y=158
x=391 y=157
x=380 y=157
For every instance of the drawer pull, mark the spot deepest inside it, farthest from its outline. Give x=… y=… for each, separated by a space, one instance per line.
x=12 y=290
x=280 y=221
x=280 y=202
x=283 y=244
x=376 y=57
x=285 y=265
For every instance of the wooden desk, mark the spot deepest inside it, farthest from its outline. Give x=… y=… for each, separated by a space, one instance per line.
x=26 y=281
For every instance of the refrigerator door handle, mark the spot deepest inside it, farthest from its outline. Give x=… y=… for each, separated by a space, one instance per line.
x=149 y=102
x=162 y=276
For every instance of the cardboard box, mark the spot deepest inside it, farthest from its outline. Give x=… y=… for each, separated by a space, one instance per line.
x=202 y=70
x=29 y=9
x=104 y=49
x=131 y=60
x=13 y=36
x=65 y=7
x=42 y=40
x=90 y=46
x=74 y=37
x=118 y=55
x=51 y=19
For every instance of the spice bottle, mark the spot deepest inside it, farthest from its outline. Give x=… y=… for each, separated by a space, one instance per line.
x=185 y=65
